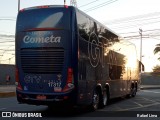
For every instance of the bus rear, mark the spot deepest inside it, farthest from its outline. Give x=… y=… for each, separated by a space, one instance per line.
x=44 y=73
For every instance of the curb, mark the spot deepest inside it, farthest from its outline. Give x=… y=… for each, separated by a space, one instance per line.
x=7 y=94
x=145 y=88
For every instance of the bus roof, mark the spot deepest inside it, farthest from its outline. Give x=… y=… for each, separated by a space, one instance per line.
x=45 y=6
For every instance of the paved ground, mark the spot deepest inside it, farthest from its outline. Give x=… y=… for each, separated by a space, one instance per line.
x=9 y=90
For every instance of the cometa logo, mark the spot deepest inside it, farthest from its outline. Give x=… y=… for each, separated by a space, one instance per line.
x=51 y=39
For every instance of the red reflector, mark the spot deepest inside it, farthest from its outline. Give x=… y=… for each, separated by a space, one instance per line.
x=17 y=75
x=42 y=29
x=19 y=87
x=65 y=97
x=19 y=95
x=70 y=75
x=70 y=70
x=46 y=6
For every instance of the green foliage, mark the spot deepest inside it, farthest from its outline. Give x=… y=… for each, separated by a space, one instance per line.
x=156 y=69
x=157 y=50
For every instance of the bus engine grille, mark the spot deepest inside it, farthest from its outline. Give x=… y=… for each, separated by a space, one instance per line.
x=42 y=60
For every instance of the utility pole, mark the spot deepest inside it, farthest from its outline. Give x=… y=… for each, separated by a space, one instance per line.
x=64 y=2
x=18 y=5
x=140 y=32
x=73 y=3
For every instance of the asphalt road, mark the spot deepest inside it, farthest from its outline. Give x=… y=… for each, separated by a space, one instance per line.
x=145 y=105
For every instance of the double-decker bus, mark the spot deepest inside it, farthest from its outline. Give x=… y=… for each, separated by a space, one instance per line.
x=65 y=56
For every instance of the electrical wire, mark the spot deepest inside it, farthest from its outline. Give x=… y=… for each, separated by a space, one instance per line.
x=100 y=5
x=88 y=4
x=133 y=17
x=134 y=25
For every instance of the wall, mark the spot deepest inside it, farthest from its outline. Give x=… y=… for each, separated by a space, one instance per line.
x=5 y=70
x=150 y=79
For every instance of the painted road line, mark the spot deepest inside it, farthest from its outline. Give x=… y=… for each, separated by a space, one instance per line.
x=150 y=91
x=149 y=100
x=138 y=104
x=144 y=106
x=3 y=108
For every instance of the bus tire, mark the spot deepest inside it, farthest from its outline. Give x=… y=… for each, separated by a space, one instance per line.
x=95 y=101
x=19 y=100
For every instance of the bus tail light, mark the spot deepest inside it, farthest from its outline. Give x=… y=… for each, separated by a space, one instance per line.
x=19 y=87
x=66 y=6
x=69 y=84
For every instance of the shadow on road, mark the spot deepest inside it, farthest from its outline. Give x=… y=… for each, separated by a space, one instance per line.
x=66 y=111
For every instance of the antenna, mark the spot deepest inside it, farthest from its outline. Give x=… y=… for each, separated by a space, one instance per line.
x=73 y=3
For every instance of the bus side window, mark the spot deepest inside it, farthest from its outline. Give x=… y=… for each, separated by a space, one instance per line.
x=115 y=72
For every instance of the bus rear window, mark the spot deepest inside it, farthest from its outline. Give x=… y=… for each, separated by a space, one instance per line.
x=44 y=18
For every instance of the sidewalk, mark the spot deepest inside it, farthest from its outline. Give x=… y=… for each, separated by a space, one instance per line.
x=10 y=90
x=7 y=91
x=144 y=87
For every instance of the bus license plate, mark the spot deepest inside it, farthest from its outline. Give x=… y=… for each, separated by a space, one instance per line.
x=41 y=97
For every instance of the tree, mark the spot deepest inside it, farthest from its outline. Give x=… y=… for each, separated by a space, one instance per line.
x=157 y=50
x=156 y=69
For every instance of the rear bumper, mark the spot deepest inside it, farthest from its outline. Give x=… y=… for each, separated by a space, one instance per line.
x=54 y=99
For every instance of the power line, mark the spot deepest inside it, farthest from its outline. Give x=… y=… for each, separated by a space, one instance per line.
x=4 y=35
x=133 y=20
x=6 y=32
x=88 y=4
x=6 y=41
x=134 y=17
x=7 y=19
x=8 y=59
x=143 y=31
x=100 y=5
x=7 y=50
x=132 y=26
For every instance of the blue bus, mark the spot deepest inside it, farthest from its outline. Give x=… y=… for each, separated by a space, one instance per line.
x=65 y=56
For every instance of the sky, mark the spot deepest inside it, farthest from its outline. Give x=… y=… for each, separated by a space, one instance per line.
x=124 y=17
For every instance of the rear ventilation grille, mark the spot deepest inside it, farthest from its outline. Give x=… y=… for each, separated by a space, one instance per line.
x=42 y=60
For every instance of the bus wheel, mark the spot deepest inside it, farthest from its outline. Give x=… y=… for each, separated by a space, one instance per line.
x=134 y=92
x=95 y=101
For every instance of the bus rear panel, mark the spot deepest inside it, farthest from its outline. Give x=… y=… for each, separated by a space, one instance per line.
x=65 y=56
x=44 y=72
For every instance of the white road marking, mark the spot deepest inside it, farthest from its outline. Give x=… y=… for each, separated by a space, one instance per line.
x=140 y=107
x=150 y=91
x=3 y=108
x=138 y=104
x=154 y=101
